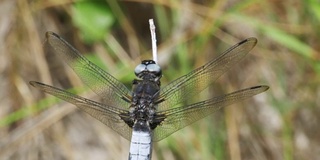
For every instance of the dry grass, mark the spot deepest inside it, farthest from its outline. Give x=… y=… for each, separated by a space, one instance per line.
x=282 y=123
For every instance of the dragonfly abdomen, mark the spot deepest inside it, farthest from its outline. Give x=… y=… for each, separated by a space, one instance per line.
x=141 y=142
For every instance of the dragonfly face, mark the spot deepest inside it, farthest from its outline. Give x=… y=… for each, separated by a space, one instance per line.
x=163 y=110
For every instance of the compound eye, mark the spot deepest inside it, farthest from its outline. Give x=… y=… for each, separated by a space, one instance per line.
x=154 y=68
x=140 y=68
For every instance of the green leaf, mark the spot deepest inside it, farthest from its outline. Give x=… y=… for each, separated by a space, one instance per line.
x=314 y=6
x=280 y=36
x=93 y=19
x=290 y=41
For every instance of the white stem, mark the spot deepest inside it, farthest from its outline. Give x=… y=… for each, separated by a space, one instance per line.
x=154 y=40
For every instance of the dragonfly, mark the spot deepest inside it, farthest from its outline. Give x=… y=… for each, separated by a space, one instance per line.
x=148 y=113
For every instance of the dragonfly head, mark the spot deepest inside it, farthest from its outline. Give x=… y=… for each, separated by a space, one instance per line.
x=148 y=68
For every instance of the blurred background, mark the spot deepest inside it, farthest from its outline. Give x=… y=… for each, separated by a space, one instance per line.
x=282 y=123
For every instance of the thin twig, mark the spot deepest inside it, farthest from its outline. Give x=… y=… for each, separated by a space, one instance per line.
x=154 y=40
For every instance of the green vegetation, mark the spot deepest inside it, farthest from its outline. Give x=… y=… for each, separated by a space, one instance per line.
x=281 y=123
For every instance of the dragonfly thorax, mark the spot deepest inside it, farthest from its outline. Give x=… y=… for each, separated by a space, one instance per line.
x=143 y=94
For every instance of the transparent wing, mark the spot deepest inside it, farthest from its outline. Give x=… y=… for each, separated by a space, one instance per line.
x=183 y=88
x=113 y=92
x=110 y=116
x=177 y=118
